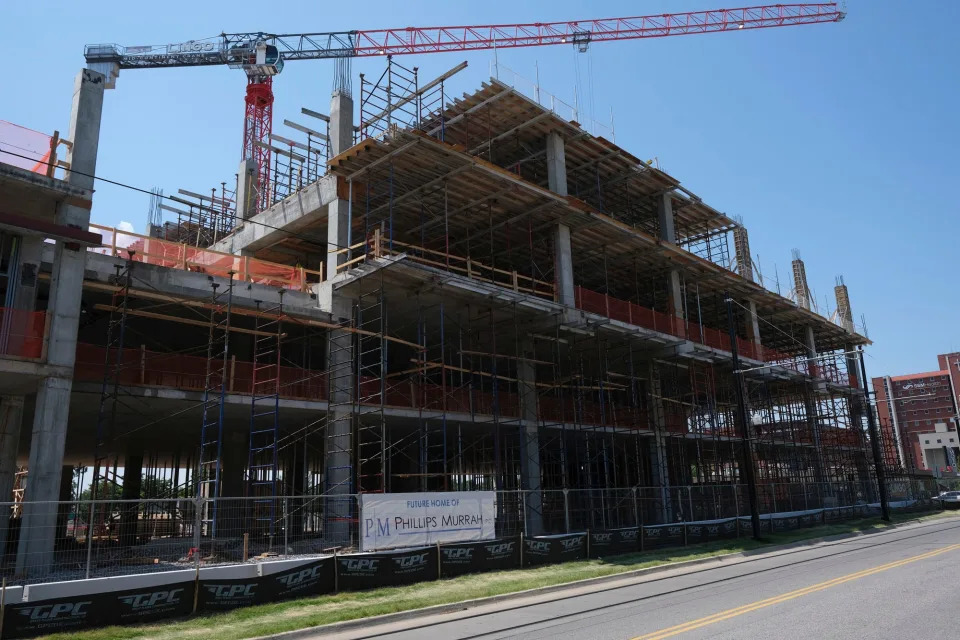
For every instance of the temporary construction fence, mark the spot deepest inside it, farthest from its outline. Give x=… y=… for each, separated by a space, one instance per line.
x=221 y=573
x=100 y=538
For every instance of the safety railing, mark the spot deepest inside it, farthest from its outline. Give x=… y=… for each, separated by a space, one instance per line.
x=379 y=247
x=177 y=255
x=31 y=150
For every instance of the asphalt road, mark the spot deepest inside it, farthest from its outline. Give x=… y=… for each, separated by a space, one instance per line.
x=892 y=584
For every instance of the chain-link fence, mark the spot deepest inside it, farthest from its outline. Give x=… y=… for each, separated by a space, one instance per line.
x=44 y=542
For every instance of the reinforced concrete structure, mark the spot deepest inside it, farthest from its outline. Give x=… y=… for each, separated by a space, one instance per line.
x=470 y=293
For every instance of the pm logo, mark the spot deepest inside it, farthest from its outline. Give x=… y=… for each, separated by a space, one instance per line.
x=141 y=601
x=713 y=530
x=571 y=544
x=675 y=531
x=359 y=565
x=229 y=591
x=696 y=531
x=729 y=526
x=653 y=533
x=463 y=553
x=602 y=538
x=56 y=611
x=628 y=535
x=293 y=579
x=411 y=562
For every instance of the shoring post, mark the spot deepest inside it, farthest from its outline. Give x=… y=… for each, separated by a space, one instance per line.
x=93 y=506
x=875 y=443
x=566 y=508
x=742 y=419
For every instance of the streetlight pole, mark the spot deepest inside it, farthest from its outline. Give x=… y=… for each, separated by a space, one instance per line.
x=875 y=443
x=749 y=469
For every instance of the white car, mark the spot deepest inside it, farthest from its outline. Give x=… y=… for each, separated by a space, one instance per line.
x=950 y=497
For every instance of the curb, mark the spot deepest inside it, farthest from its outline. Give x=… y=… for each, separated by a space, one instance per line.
x=347 y=625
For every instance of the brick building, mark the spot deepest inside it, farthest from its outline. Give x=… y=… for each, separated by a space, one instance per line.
x=913 y=404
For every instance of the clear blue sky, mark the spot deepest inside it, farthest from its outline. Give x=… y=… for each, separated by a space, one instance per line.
x=839 y=139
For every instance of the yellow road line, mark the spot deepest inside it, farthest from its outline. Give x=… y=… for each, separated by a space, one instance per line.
x=760 y=604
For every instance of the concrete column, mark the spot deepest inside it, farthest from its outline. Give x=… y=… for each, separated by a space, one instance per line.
x=741 y=246
x=11 y=413
x=530 y=442
x=338 y=460
x=811 y=344
x=35 y=552
x=132 y=482
x=341 y=122
x=563 y=266
x=562 y=251
x=668 y=233
x=800 y=286
x=248 y=177
x=338 y=211
x=659 y=465
x=753 y=329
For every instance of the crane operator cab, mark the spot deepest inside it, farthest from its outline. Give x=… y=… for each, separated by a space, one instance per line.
x=256 y=58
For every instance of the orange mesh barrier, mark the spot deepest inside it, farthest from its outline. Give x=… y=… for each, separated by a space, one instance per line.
x=175 y=255
x=24 y=142
x=21 y=332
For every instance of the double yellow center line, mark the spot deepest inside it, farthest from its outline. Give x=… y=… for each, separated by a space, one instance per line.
x=760 y=604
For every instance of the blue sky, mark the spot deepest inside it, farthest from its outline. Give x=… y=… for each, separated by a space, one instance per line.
x=839 y=139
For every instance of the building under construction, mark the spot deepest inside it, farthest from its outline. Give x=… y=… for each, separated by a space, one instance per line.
x=427 y=294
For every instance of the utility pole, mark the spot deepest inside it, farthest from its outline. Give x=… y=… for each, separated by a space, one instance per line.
x=875 y=443
x=749 y=469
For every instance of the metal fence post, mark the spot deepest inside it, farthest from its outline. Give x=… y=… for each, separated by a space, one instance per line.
x=690 y=517
x=806 y=498
x=197 y=520
x=636 y=508
x=90 y=536
x=566 y=508
x=286 y=526
x=773 y=495
x=523 y=504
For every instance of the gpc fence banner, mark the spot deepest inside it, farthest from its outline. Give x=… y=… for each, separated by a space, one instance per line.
x=392 y=520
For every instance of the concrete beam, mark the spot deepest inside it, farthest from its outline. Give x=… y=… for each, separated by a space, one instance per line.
x=285 y=219
x=530 y=442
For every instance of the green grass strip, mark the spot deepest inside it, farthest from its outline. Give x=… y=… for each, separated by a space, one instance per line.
x=309 y=612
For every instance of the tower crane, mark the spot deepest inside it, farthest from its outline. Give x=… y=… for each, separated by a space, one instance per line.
x=262 y=55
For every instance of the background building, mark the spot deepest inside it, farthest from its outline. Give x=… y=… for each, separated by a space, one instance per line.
x=911 y=406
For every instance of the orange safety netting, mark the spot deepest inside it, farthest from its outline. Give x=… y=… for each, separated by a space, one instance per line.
x=24 y=142
x=181 y=256
x=21 y=332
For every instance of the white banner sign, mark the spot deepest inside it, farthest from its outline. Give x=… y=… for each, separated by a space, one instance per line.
x=390 y=520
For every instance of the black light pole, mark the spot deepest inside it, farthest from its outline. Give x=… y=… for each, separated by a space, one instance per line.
x=875 y=443
x=749 y=470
